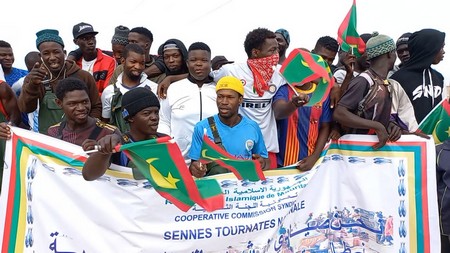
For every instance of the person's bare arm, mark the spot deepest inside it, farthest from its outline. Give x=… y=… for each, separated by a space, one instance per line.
x=308 y=162
x=283 y=109
x=348 y=62
x=9 y=102
x=32 y=89
x=264 y=162
x=347 y=118
x=98 y=162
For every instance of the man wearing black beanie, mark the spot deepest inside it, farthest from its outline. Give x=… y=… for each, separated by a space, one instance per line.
x=141 y=111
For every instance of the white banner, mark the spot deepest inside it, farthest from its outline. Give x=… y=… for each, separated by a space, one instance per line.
x=354 y=200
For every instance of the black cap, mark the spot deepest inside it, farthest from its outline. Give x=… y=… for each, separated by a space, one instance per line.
x=218 y=61
x=81 y=29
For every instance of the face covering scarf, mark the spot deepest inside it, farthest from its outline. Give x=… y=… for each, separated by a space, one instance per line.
x=262 y=69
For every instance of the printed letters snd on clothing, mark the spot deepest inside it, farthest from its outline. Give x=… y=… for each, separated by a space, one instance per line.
x=429 y=90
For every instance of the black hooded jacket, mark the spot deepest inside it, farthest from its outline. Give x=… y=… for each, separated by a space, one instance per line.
x=443 y=184
x=184 y=53
x=422 y=84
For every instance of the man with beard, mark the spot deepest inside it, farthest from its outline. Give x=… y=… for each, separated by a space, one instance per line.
x=189 y=100
x=283 y=40
x=93 y=60
x=154 y=65
x=141 y=111
x=261 y=81
x=133 y=62
x=239 y=136
x=39 y=84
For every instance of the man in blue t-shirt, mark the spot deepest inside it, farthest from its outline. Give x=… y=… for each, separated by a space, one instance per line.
x=240 y=136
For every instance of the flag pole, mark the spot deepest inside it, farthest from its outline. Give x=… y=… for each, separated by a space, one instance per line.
x=290 y=85
x=293 y=89
x=96 y=149
x=352 y=64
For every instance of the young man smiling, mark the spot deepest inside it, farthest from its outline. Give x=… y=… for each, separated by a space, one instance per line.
x=78 y=127
x=39 y=85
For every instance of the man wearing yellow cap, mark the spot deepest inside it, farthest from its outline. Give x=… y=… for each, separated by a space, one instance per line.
x=239 y=135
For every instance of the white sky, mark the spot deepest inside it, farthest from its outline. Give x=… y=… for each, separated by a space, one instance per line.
x=222 y=24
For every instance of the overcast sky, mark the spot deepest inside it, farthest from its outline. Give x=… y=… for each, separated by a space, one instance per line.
x=222 y=24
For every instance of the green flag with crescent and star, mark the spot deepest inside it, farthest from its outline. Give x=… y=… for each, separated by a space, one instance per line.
x=348 y=37
x=162 y=164
x=437 y=122
x=301 y=67
x=242 y=169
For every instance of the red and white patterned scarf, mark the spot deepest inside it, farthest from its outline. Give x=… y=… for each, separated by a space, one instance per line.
x=262 y=69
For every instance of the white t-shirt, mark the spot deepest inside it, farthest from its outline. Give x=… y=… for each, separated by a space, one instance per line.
x=108 y=92
x=258 y=109
x=339 y=75
x=185 y=105
x=88 y=65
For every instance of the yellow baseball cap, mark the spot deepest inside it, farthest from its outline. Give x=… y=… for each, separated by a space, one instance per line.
x=230 y=83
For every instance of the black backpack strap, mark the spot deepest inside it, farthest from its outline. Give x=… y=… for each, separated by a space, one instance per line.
x=370 y=94
x=217 y=139
x=98 y=128
x=61 y=127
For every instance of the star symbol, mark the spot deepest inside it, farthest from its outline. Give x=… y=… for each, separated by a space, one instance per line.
x=171 y=180
x=448 y=131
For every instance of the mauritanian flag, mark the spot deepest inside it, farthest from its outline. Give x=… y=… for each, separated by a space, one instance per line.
x=242 y=169
x=348 y=37
x=161 y=162
x=302 y=66
x=437 y=122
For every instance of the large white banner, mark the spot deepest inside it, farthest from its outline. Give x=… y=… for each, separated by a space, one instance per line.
x=354 y=200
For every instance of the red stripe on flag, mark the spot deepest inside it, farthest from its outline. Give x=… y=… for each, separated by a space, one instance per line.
x=222 y=152
x=53 y=149
x=344 y=24
x=10 y=202
x=446 y=106
x=181 y=205
x=186 y=176
x=319 y=71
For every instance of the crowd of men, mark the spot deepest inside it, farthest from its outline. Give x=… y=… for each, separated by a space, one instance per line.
x=99 y=98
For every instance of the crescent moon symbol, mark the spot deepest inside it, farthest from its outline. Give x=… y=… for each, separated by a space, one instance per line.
x=435 y=137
